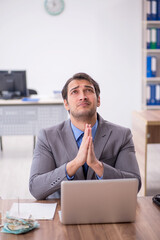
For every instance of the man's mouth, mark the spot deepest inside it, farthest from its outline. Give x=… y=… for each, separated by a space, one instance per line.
x=83 y=104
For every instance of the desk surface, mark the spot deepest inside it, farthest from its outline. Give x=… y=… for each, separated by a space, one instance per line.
x=145 y=227
x=41 y=101
x=151 y=117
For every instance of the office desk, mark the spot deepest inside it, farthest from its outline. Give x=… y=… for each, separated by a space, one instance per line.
x=145 y=129
x=27 y=118
x=145 y=227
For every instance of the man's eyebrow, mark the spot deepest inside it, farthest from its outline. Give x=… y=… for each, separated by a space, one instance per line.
x=73 y=88
x=86 y=86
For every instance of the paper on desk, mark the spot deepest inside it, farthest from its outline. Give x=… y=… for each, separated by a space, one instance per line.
x=39 y=211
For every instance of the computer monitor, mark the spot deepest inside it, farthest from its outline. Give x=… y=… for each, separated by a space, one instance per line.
x=13 y=84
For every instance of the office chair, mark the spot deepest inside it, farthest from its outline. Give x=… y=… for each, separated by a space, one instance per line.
x=1 y=143
x=33 y=92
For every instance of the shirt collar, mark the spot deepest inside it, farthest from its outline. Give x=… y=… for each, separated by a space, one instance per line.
x=77 y=132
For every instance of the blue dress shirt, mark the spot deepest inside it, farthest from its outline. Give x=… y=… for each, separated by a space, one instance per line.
x=77 y=134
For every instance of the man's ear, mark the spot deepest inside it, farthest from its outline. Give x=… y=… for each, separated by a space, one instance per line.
x=98 y=101
x=66 y=105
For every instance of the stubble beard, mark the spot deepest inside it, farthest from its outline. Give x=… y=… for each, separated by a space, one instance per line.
x=84 y=115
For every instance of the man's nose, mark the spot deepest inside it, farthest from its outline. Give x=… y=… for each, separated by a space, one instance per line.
x=82 y=96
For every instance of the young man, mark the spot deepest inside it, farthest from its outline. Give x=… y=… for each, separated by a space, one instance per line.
x=83 y=147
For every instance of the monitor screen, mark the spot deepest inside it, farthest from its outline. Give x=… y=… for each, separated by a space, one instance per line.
x=13 y=84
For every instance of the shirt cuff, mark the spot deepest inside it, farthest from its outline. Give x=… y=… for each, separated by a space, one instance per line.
x=99 y=178
x=68 y=177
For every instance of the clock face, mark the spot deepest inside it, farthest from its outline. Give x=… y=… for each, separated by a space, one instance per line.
x=54 y=7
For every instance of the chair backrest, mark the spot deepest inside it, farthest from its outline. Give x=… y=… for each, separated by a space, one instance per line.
x=32 y=91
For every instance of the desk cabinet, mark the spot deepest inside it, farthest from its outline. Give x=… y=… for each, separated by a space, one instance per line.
x=18 y=118
x=145 y=129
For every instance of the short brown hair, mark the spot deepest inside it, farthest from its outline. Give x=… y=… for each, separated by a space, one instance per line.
x=80 y=76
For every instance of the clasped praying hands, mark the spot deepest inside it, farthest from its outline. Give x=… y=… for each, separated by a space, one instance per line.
x=85 y=154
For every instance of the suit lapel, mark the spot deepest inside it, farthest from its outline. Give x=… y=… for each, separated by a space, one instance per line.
x=68 y=141
x=101 y=139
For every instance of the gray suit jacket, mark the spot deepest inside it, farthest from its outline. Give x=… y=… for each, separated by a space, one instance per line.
x=56 y=146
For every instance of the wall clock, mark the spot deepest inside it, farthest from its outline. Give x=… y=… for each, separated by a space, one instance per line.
x=54 y=7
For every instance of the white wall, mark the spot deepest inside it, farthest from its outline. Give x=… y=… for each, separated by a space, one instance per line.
x=99 y=37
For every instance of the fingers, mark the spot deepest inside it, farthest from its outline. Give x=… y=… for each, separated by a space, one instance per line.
x=90 y=143
x=91 y=158
x=83 y=150
x=87 y=133
x=90 y=146
x=88 y=130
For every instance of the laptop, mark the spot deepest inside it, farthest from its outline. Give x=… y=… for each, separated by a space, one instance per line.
x=98 y=201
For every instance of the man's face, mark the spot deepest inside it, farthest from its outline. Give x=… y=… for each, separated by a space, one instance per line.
x=82 y=100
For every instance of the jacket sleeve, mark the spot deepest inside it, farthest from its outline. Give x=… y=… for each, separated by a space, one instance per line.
x=125 y=165
x=45 y=177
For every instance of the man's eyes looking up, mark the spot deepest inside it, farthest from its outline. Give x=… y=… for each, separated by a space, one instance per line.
x=88 y=90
